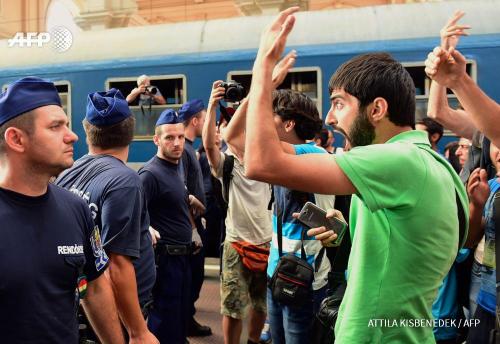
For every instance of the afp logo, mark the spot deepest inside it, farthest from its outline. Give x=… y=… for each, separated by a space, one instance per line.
x=59 y=37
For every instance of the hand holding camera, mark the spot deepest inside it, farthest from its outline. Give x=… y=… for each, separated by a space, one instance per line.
x=150 y=90
x=233 y=91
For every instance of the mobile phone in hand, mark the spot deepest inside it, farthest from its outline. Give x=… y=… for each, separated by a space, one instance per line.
x=313 y=216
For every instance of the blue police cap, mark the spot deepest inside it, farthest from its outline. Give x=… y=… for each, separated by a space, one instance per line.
x=106 y=108
x=168 y=116
x=26 y=94
x=191 y=108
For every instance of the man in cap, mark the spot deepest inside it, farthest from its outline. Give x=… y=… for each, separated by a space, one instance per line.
x=193 y=113
x=114 y=194
x=168 y=207
x=50 y=249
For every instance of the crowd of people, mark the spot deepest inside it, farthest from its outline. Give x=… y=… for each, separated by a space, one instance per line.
x=129 y=246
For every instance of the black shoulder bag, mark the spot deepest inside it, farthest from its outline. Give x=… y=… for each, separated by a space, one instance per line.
x=291 y=283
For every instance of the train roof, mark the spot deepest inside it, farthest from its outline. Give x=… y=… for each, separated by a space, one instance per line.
x=366 y=24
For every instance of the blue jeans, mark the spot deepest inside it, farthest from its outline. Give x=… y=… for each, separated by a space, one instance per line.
x=292 y=325
x=475 y=285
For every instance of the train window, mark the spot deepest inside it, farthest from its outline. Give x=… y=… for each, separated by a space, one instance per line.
x=423 y=83
x=303 y=79
x=64 y=89
x=172 y=88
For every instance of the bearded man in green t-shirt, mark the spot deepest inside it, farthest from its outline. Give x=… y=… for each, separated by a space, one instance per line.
x=404 y=224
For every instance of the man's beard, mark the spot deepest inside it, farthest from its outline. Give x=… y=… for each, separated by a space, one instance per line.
x=362 y=132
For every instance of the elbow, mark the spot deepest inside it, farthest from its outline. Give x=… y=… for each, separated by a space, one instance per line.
x=255 y=170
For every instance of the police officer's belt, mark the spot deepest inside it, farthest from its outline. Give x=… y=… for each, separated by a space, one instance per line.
x=173 y=250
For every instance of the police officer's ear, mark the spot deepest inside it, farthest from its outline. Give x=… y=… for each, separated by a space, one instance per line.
x=16 y=139
x=377 y=110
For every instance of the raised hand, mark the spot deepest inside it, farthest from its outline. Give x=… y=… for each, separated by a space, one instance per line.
x=445 y=67
x=273 y=39
x=478 y=188
x=217 y=93
x=451 y=32
x=281 y=69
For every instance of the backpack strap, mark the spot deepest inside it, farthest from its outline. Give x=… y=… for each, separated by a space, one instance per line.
x=227 y=169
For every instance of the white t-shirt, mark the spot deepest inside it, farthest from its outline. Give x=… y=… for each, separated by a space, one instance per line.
x=248 y=218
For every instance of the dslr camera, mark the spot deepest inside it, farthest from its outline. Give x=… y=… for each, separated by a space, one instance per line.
x=151 y=89
x=234 y=92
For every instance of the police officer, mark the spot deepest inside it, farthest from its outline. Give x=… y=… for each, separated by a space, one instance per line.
x=114 y=195
x=50 y=248
x=193 y=113
x=168 y=208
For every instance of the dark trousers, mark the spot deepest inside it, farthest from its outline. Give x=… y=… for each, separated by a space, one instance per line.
x=197 y=262
x=480 y=334
x=171 y=296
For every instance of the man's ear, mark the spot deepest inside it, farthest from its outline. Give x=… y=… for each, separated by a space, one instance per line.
x=16 y=139
x=434 y=138
x=194 y=121
x=379 y=110
x=156 y=140
x=289 y=125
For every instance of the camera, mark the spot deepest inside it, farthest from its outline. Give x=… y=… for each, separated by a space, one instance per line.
x=151 y=89
x=234 y=92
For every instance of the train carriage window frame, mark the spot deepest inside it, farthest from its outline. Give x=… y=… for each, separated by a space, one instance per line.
x=318 y=99
x=146 y=128
x=65 y=97
x=423 y=84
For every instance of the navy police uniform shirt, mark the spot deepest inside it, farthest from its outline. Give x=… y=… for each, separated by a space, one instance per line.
x=167 y=201
x=47 y=242
x=193 y=177
x=114 y=195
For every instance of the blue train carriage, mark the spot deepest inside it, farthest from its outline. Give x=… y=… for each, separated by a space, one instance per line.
x=184 y=59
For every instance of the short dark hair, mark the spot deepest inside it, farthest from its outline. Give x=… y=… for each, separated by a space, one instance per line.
x=369 y=76
x=323 y=137
x=293 y=105
x=432 y=126
x=188 y=121
x=111 y=136
x=25 y=122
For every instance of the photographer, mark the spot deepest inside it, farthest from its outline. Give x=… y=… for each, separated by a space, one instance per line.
x=148 y=95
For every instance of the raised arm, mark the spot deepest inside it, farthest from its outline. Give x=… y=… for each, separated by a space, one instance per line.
x=448 y=69
x=234 y=134
x=265 y=158
x=209 y=127
x=438 y=108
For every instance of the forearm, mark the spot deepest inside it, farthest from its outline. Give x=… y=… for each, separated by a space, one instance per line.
x=262 y=143
x=131 y=97
x=235 y=131
x=208 y=136
x=455 y=120
x=100 y=308
x=483 y=111
x=160 y=100
x=123 y=281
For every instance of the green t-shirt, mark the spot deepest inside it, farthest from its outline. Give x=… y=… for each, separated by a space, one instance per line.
x=404 y=230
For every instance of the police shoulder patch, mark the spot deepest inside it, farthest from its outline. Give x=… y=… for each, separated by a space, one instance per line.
x=99 y=253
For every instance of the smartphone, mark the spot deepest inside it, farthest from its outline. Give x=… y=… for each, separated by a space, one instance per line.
x=313 y=216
